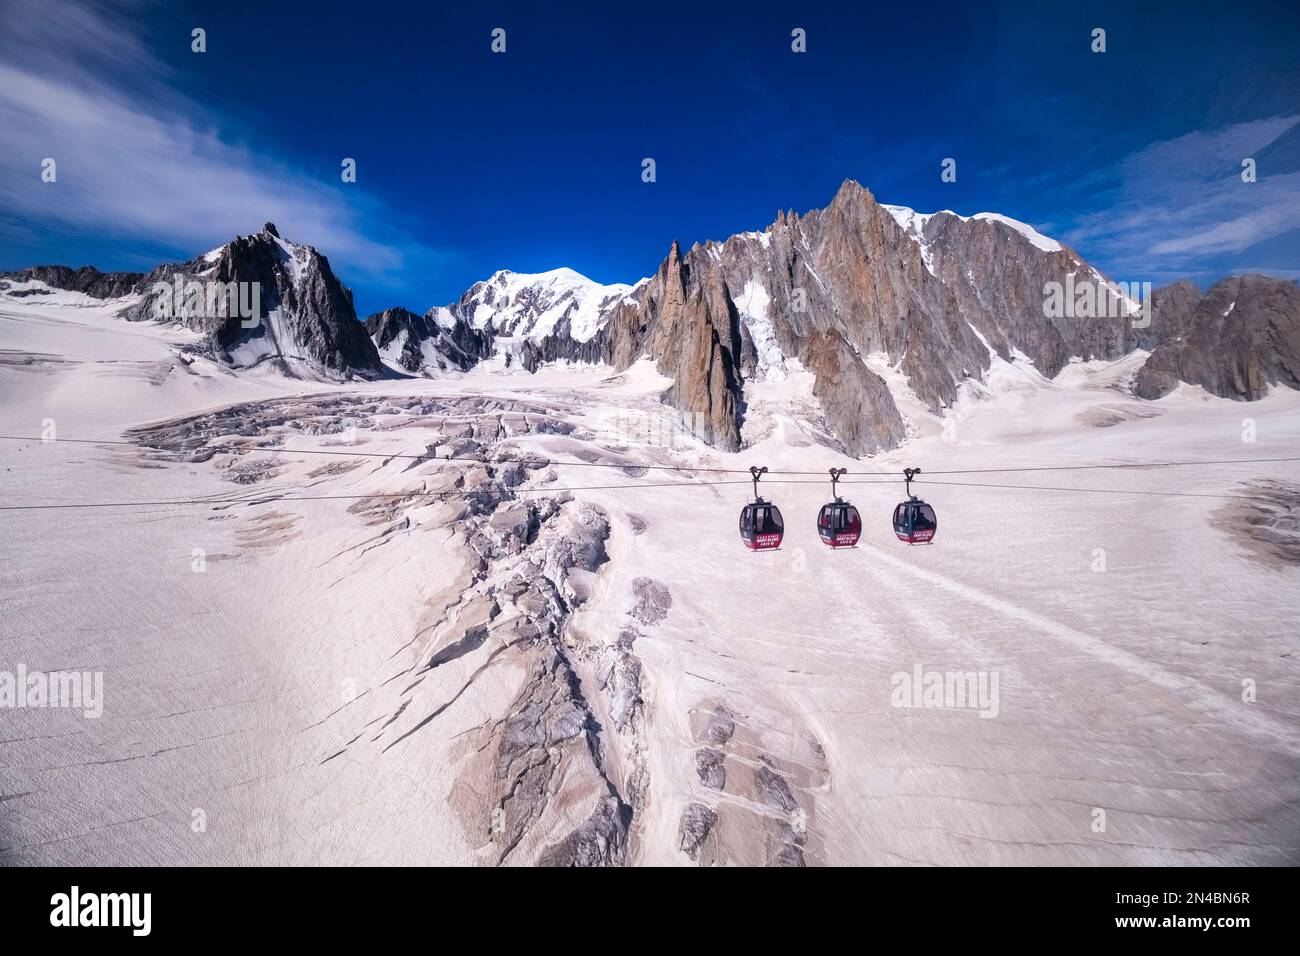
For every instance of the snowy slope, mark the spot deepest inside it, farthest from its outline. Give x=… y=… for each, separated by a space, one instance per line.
x=741 y=703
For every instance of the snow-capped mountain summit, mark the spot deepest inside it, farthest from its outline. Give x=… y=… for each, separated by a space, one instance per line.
x=520 y=315
x=559 y=302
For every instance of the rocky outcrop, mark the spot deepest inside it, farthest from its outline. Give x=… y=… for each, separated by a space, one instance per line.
x=860 y=409
x=87 y=280
x=398 y=331
x=696 y=341
x=698 y=821
x=1242 y=337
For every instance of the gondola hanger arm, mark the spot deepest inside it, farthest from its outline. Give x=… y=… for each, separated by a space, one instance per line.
x=836 y=475
x=908 y=475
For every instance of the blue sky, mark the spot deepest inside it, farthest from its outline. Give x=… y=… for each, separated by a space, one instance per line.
x=469 y=162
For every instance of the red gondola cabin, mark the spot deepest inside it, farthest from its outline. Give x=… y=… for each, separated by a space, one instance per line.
x=761 y=527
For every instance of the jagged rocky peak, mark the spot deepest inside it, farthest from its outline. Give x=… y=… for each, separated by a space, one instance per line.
x=851 y=279
x=265 y=301
x=851 y=195
x=694 y=336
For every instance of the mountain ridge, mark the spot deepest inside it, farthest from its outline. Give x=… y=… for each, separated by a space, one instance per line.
x=847 y=291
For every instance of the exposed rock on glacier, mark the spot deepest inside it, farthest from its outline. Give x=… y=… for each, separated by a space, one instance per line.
x=87 y=280
x=543 y=781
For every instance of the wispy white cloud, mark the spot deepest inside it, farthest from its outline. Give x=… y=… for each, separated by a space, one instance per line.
x=136 y=159
x=1182 y=201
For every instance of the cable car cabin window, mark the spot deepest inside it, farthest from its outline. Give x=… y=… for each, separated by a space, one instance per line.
x=767 y=521
x=923 y=518
x=900 y=517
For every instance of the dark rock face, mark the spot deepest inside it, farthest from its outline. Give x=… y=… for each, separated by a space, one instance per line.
x=87 y=279
x=398 y=323
x=560 y=346
x=305 y=315
x=711 y=767
x=1172 y=307
x=420 y=342
x=1242 y=337
x=698 y=821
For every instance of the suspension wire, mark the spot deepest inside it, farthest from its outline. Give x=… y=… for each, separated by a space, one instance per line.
x=544 y=461
x=541 y=461
x=873 y=477
x=271 y=497
x=1100 y=491
x=1143 y=464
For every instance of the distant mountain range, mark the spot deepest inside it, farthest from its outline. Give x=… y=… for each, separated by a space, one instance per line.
x=856 y=293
